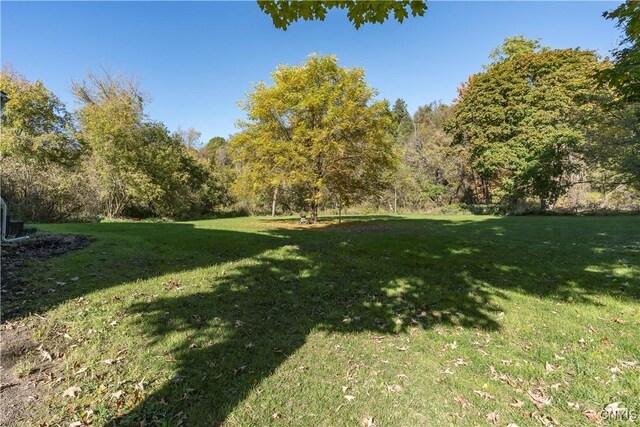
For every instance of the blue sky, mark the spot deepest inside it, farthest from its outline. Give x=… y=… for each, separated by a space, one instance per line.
x=197 y=59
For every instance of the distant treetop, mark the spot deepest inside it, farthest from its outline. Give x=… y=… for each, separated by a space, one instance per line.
x=515 y=46
x=286 y=12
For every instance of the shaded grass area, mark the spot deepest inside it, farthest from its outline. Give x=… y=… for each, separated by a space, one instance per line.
x=400 y=320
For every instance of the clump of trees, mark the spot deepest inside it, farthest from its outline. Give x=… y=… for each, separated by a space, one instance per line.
x=107 y=159
x=537 y=129
x=525 y=122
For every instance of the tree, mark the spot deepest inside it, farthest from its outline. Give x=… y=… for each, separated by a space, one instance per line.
x=35 y=123
x=285 y=12
x=317 y=133
x=141 y=167
x=402 y=120
x=217 y=151
x=40 y=157
x=523 y=121
x=440 y=167
x=625 y=74
x=618 y=150
x=515 y=46
x=190 y=137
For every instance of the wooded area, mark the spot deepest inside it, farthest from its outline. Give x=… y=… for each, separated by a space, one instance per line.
x=537 y=130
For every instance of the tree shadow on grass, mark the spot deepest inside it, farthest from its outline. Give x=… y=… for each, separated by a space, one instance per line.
x=411 y=273
x=122 y=252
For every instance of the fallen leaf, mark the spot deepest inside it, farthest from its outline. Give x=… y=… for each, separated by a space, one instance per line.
x=462 y=401
x=592 y=416
x=395 y=388
x=447 y=371
x=539 y=398
x=46 y=356
x=368 y=422
x=79 y=371
x=71 y=391
x=493 y=417
x=117 y=395
x=460 y=362
x=615 y=370
x=349 y=397
x=518 y=404
x=484 y=395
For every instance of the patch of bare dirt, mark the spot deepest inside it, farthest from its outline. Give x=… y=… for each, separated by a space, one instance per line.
x=38 y=247
x=22 y=374
x=24 y=370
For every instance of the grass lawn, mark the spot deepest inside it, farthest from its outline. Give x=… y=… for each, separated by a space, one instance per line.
x=416 y=320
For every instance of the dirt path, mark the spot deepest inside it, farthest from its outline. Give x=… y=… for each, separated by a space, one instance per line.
x=24 y=369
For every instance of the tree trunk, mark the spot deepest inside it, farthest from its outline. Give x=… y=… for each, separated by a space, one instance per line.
x=485 y=191
x=314 y=213
x=273 y=203
x=395 y=200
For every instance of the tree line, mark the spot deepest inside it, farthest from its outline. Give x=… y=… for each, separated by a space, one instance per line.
x=537 y=129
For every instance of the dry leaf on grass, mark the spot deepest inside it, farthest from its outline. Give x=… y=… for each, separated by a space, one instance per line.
x=493 y=417
x=368 y=422
x=395 y=388
x=71 y=391
x=518 y=404
x=460 y=362
x=484 y=395
x=79 y=371
x=592 y=416
x=462 y=401
x=539 y=398
x=117 y=395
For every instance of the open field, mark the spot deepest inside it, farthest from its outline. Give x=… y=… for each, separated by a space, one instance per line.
x=413 y=320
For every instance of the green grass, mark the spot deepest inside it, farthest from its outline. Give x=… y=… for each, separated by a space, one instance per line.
x=406 y=320
x=23 y=368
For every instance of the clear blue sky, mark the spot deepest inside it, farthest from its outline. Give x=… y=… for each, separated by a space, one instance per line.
x=197 y=59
